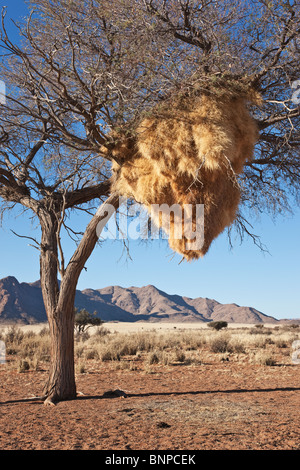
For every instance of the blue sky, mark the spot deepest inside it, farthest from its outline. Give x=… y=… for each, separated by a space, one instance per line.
x=243 y=275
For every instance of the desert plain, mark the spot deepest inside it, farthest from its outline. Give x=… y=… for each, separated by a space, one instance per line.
x=156 y=386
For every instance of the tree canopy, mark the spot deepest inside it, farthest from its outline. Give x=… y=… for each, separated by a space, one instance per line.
x=88 y=70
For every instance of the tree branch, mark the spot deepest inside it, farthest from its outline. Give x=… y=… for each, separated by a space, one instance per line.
x=196 y=37
x=281 y=117
x=85 y=248
x=84 y=195
x=29 y=238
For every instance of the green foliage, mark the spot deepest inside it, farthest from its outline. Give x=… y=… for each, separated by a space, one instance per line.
x=85 y=319
x=218 y=325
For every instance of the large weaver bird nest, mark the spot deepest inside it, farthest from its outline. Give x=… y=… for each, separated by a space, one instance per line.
x=189 y=154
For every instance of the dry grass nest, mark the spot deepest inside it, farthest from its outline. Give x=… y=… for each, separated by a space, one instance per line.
x=189 y=154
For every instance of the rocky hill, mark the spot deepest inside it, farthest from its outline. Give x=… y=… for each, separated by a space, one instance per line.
x=23 y=303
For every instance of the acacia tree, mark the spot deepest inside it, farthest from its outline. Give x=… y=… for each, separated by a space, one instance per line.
x=85 y=73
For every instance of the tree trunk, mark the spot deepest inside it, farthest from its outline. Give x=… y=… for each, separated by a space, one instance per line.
x=59 y=300
x=61 y=381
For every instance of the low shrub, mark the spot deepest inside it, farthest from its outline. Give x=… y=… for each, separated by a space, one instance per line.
x=220 y=344
x=264 y=359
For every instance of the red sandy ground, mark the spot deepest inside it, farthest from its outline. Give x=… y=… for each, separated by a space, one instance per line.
x=210 y=406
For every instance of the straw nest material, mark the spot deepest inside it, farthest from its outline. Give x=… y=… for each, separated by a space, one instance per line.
x=189 y=154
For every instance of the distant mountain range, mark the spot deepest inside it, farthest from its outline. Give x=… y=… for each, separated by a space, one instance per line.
x=23 y=303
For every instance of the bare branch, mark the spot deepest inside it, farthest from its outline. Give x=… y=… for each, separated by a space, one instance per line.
x=37 y=244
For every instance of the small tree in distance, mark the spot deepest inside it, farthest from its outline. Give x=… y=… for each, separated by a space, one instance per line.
x=218 y=325
x=84 y=320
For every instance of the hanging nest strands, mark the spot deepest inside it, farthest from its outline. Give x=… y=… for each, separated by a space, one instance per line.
x=189 y=154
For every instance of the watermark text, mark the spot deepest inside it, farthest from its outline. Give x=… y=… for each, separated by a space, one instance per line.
x=2 y=92
x=2 y=352
x=133 y=221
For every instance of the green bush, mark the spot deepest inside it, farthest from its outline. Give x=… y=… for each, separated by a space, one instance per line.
x=218 y=325
x=84 y=320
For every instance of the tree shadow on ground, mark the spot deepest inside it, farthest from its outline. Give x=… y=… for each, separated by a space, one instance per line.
x=121 y=394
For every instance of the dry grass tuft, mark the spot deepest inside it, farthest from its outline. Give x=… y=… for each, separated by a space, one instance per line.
x=148 y=350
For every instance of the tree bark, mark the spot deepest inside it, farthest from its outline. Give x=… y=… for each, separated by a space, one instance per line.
x=59 y=301
x=61 y=380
